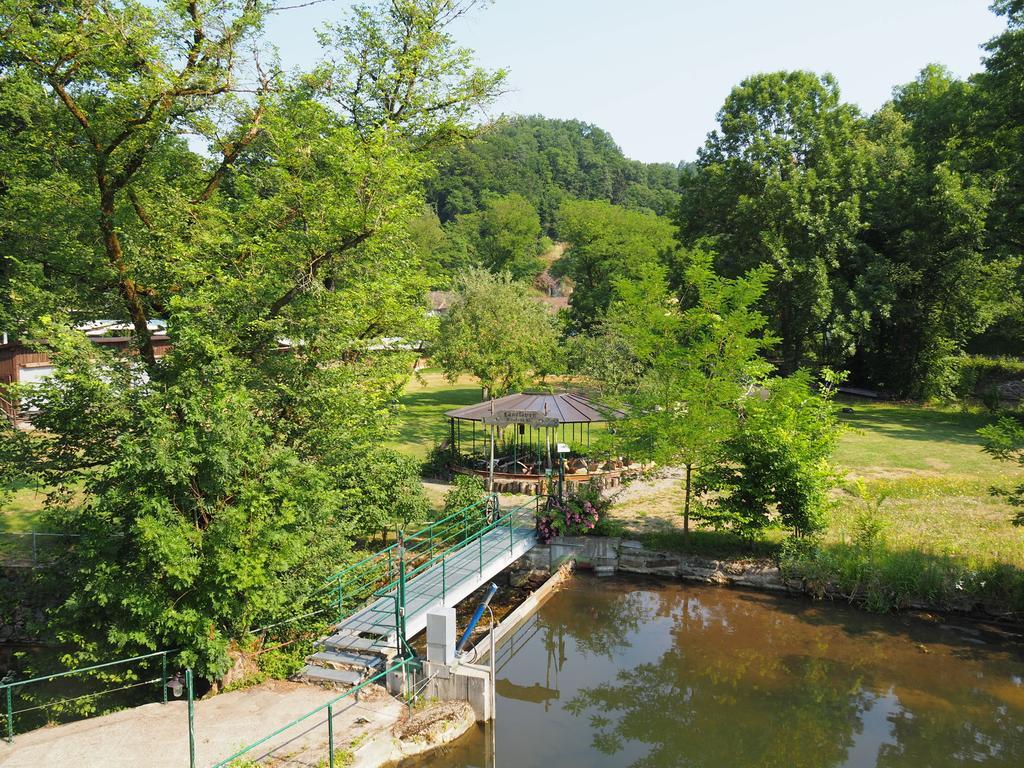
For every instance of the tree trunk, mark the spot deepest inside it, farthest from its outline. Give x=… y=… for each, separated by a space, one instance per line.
x=686 y=505
x=126 y=285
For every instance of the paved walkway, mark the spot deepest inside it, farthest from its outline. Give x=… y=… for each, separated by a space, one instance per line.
x=156 y=735
x=454 y=576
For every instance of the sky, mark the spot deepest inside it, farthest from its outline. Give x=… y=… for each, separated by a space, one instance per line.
x=654 y=73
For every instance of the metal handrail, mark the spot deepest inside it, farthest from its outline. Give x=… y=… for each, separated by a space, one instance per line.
x=496 y=523
x=422 y=531
x=8 y=687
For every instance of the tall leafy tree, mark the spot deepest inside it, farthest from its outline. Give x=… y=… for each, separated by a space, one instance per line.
x=779 y=183
x=211 y=488
x=607 y=243
x=997 y=152
x=497 y=331
x=504 y=236
x=927 y=286
x=701 y=356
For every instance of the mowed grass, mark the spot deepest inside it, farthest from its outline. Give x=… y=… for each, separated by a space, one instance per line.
x=926 y=464
x=884 y=440
x=422 y=423
x=20 y=509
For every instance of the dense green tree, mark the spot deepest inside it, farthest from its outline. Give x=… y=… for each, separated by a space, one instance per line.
x=607 y=243
x=996 y=146
x=212 y=488
x=699 y=359
x=1001 y=125
x=927 y=286
x=496 y=331
x=504 y=236
x=779 y=183
x=774 y=470
x=384 y=492
x=548 y=161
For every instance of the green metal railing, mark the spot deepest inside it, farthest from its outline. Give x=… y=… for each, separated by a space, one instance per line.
x=382 y=575
x=363 y=581
x=390 y=571
x=515 y=519
x=330 y=708
x=32 y=548
x=8 y=687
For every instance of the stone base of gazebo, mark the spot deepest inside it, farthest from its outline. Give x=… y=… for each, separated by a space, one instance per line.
x=535 y=485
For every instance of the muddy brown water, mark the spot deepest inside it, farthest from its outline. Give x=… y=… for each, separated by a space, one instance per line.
x=648 y=674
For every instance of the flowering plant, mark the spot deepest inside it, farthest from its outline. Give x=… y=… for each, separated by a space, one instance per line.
x=577 y=515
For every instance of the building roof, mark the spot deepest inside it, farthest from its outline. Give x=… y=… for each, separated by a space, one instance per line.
x=567 y=407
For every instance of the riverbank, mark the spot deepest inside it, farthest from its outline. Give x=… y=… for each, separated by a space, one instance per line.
x=865 y=578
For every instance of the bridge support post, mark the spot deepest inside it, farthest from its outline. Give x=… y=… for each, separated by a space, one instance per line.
x=441 y=636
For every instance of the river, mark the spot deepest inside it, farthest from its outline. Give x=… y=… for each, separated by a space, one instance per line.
x=650 y=674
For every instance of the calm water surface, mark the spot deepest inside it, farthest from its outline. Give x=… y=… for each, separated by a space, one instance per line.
x=648 y=674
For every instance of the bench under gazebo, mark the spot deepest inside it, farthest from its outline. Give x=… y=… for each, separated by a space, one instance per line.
x=524 y=432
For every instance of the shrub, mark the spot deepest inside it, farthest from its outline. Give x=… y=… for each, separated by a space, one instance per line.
x=436 y=462
x=581 y=513
x=465 y=490
x=966 y=376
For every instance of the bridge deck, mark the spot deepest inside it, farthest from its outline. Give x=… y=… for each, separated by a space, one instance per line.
x=450 y=579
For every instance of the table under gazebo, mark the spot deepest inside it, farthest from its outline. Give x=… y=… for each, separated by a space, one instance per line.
x=518 y=441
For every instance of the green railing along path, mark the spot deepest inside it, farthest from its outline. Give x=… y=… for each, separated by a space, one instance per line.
x=383 y=600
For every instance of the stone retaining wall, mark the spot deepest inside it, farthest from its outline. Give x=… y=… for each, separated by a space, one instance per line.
x=608 y=555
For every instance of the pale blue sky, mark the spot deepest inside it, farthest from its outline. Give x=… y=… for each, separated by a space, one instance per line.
x=654 y=72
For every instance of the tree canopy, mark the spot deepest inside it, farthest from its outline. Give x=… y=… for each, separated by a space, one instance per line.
x=212 y=488
x=547 y=162
x=496 y=331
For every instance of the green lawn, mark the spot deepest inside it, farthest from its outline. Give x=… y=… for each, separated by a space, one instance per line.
x=422 y=423
x=20 y=508
x=890 y=440
x=928 y=464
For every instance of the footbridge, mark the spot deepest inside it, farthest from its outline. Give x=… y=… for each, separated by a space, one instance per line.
x=383 y=600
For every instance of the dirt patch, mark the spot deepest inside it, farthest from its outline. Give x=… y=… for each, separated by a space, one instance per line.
x=431 y=725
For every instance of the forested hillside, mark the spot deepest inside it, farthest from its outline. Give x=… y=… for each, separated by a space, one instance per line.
x=547 y=161
x=892 y=239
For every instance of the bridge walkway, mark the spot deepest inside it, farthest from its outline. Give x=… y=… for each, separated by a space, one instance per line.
x=439 y=566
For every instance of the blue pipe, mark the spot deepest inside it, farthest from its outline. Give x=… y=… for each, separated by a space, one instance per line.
x=476 y=617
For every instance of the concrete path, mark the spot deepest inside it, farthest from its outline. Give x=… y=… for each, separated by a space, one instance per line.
x=156 y=735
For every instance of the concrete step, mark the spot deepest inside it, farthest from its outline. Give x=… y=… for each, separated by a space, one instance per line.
x=337 y=643
x=346 y=660
x=604 y=570
x=324 y=675
x=363 y=665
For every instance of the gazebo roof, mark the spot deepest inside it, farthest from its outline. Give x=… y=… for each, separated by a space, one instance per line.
x=567 y=407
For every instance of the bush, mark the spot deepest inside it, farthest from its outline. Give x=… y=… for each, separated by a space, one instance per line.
x=436 y=463
x=581 y=513
x=465 y=490
x=966 y=376
x=774 y=471
x=867 y=572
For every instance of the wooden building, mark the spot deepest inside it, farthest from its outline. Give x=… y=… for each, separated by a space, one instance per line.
x=22 y=365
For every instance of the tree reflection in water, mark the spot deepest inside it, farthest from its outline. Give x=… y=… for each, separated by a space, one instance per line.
x=651 y=674
x=755 y=681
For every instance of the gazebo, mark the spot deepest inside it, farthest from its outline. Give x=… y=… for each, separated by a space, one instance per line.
x=516 y=440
